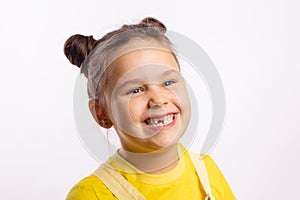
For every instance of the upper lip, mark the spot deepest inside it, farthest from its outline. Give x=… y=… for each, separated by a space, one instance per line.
x=159 y=115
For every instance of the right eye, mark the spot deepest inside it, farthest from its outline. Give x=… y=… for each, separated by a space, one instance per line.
x=136 y=90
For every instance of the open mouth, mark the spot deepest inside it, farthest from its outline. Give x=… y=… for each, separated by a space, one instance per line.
x=160 y=121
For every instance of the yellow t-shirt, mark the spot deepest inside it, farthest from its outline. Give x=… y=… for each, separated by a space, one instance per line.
x=180 y=183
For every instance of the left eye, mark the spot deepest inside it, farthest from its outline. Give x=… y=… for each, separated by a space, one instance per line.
x=167 y=83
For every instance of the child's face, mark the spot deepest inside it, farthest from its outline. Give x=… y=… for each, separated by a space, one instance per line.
x=146 y=100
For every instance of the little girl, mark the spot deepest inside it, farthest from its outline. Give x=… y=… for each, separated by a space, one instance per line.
x=135 y=85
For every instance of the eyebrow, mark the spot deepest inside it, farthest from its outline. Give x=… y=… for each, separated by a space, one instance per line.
x=132 y=81
x=168 y=72
x=138 y=80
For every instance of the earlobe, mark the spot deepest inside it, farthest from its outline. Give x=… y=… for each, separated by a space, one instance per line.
x=99 y=114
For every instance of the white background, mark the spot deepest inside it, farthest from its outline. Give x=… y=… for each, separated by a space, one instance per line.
x=255 y=45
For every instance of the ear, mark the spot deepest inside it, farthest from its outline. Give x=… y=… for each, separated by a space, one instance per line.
x=99 y=114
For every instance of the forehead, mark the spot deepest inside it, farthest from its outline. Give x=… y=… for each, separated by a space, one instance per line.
x=143 y=57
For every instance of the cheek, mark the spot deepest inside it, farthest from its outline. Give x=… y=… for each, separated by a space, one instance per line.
x=179 y=92
x=136 y=106
x=127 y=114
x=127 y=111
x=119 y=108
x=186 y=106
x=184 y=97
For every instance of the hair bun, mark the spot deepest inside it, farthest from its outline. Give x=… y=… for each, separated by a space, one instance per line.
x=77 y=47
x=152 y=22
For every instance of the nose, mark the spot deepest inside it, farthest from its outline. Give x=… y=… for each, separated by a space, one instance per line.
x=157 y=97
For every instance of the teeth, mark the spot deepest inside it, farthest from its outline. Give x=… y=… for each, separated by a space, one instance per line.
x=161 y=122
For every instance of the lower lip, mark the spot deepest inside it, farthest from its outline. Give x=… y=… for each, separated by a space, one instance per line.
x=175 y=116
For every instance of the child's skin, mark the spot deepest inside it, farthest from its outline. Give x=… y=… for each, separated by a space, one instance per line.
x=146 y=84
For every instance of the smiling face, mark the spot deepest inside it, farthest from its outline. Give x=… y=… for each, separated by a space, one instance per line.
x=147 y=100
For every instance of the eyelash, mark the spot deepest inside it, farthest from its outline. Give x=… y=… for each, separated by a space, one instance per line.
x=171 y=82
x=134 y=90
x=166 y=84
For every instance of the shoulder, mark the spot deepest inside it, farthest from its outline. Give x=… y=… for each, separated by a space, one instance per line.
x=219 y=186
x=214 y=173
x=90 y=188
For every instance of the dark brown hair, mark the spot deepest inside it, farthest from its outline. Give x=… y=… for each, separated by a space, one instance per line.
x=91 y=55
x=77 y=47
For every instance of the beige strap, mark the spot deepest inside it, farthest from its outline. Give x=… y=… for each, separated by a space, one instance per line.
x=117 y=184
x=202 y=174
x=123 y=190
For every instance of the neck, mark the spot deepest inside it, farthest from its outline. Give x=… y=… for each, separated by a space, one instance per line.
x=157 y=162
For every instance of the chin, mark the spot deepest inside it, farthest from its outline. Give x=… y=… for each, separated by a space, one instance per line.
x=162 y=142
x=166 y=138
